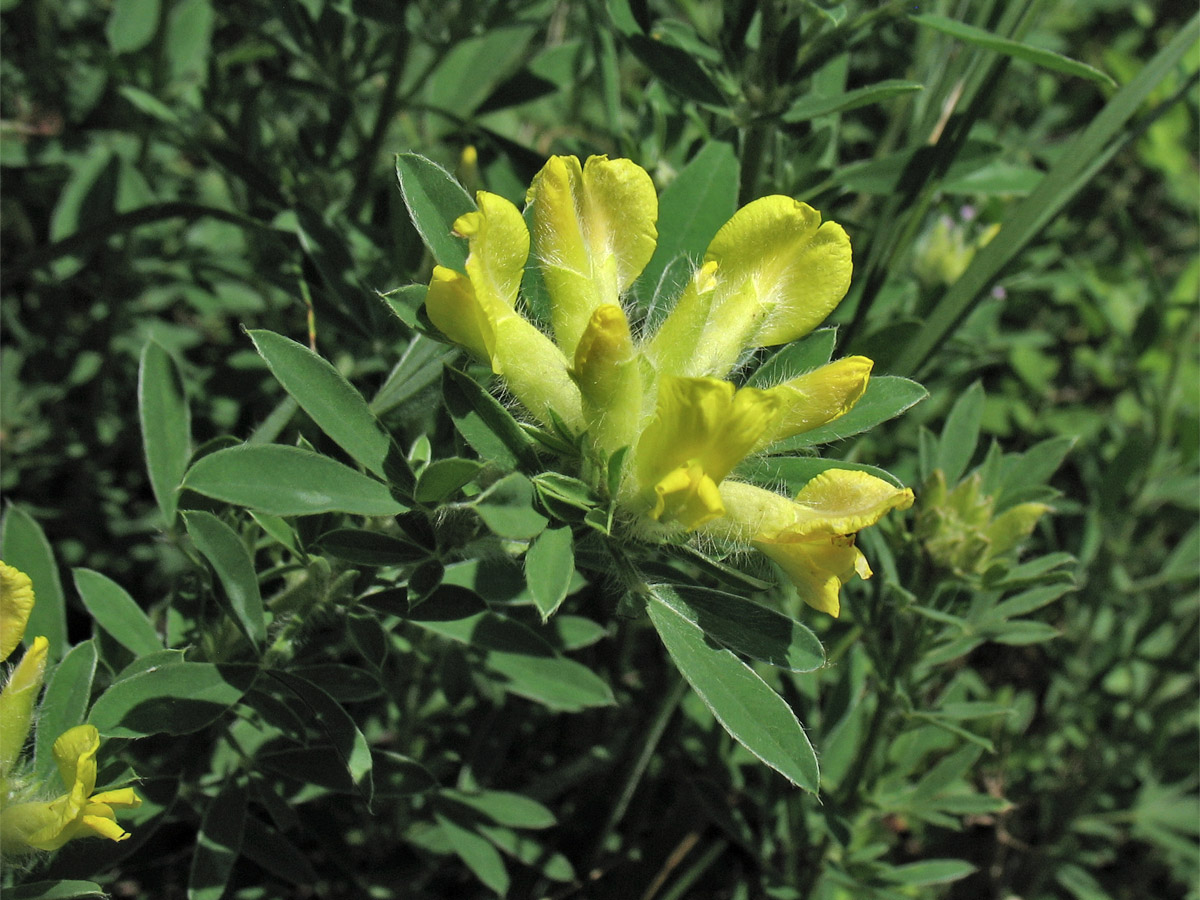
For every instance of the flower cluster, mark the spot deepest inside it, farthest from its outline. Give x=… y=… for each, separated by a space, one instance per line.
x=770 y=275
x=28 y=822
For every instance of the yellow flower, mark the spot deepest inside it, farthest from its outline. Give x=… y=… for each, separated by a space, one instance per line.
x=47 y=825
x=812 y=537
x=771 y=274
x=16 y=603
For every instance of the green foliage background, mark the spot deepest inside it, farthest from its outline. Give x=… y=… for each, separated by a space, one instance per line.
x=186 y=181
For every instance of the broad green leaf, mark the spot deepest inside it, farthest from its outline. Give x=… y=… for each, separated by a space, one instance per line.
x=505 y=808
x=337 y=725
x=885 y=398
x=288 y=481
x=219 y=843
x=131 y=24
x=166 y=426
x=507 y=508
x=753 y=714
x=419 y=366
x=692 y=208
x=230 y=559
x=328 y=398
x=795 y=358
x=460 y=84
x=443 y=477
x=65 y=702
x=171 y=699
x=395 y=775
x=929 y=871
x=484 y=422
x=188 y=42
x=960 y=434
x=746 y=627
x=1023 y=632
x=477 y=854
x=116 y=612
x=1075 y=166
x=56 y=890
x=1039 y=56
x=526 y=664
x=550 y=864
x=810 y=107
x=549 y=565
x=677 y=69
x=24 y=546
x=370 y=548
x=434 y=200
x=797 y=471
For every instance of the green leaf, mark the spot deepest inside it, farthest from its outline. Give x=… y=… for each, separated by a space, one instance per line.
x=929 y=871
x=419 y=366
x=525 y=664
x=56 y=890
x=64 y=704
x=172 y=699
x=753 y=714
x=960 y=434
x=434 y=200
x=551 y=864
x=288 y=481
x=24 y=546
x=507 y=508
x=219 y=843
x=505 y=808
x=116 y=612
x=477 y=854
x=885 y=398
x=692 y=208
x=795 y=358
x=230 y=559
x=131 y=24
x=484 y=422
x=810 y=107
x=677 y=69
x=337 y=725
x=328 y=398
x=443 y=477
x=1075 y=166
x=460 y=84
x=746 y=627
x=166 y=426
x=1047 y=59
x=549 y=565
x=370 y=548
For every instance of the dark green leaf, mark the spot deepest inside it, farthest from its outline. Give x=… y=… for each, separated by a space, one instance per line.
x=746 y=627
x=116 y=612
x=795 y=359
x=797 y=471
x=219 y=843
x=929 y=871
x=507 y=508
x=549 y=565
x=370 y=548
x=288 y=481
x=234 y=566
x=65 y=702
x=753 y=714
x=477 y=854
x=484 y=422
x=960 y=434
x=1039 y=56
x=25 y=547
x=56 y=890
x=434 y=200
x=443 y=477
x=172 y=699
x=131 y=24
x=166 y=426
x=330 y=401
x=810 y=107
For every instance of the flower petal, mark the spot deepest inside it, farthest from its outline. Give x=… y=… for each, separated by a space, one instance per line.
x=499 y=246
x=609 y=374
x=456 y=311
x=17 y=701
x=820 y=396
x=594 y=232
x=818 y=567
x=780 y=272
x=843 y=501
x=75 y=752
x=16 y=603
